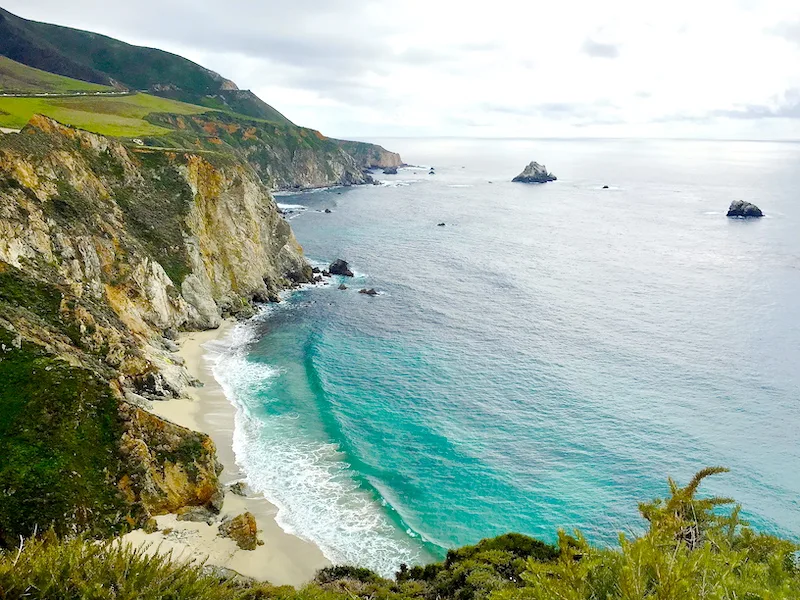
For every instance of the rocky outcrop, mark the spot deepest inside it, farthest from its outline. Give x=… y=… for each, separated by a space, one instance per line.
x=106 y=252
x=740 y=208
x=243 y=530
x=340 y=267
x=368 y=292
x=169 y=467
x=284 y=156
x=390 y=171
x=535 y=173
x=371 y=156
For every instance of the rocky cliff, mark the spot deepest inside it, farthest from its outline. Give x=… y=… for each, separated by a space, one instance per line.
x=105 y=252
x=284 y=156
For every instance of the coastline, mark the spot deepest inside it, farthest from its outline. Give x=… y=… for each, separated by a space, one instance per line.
x=283 y=559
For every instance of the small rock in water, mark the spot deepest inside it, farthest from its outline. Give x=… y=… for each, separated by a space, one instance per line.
x=315 y=270
x=368 y=292
x=534 y=173
x=340 y=267
x=328 y=211
x=326 y=273
x=440 y=225
x=740 y=208
x=342 y=286
x=605 y=187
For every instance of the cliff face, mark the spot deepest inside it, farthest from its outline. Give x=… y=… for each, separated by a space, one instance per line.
x=103 y=252
x=369 y=156
x=284 y=156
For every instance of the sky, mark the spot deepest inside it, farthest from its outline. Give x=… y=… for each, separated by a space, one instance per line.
x=725 y=69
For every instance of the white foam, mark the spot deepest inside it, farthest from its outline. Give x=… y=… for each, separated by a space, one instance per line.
x=291 y=206
x=314 y=489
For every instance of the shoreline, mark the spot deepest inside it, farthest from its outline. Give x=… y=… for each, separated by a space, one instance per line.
x=284 y=559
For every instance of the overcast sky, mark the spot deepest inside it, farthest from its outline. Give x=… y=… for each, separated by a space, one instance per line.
x=505 y=68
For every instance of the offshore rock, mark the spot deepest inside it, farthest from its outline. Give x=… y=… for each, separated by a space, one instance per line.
x=368 y=292
x=340 y=267
x=535 y=173
x=740 y=208
x=390 y=171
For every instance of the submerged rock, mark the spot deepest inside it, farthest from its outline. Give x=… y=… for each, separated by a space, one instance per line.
x=535 y=173
x=340 y=267
x=242 y=530
x=740 y=208
x=342 y=286
x=368 y=292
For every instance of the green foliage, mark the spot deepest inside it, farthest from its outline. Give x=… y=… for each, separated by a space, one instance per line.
x=731 y=563
x=115 y=116
x=156 y=215
x=59 y=430
x=18 y=78
x=691 y=551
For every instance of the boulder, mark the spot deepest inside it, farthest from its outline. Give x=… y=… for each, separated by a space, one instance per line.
x=390 y=171
x=340 y=267
x=368 y=292
x=535 y=173
x=342 y=286
x=242 y=530
x=328 y=211
x=440 y=225
x=239 y=488
x=196 y=514
x=740 y=208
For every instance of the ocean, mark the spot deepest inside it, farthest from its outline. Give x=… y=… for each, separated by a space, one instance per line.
x=545 y=360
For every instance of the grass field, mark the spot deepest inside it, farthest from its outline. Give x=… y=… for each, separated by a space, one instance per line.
x=16 y=77
x=121 y=116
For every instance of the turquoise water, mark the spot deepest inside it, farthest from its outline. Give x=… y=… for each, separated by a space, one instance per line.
x=545 y=360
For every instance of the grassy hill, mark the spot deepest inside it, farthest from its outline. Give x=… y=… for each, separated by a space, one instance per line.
x=99 y=59
x=18 y=78
x=120 y=116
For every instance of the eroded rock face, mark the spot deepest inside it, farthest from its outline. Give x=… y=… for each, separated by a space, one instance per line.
x=740 y=208
x=170 y=467
x=535 y=173
x=243 y=530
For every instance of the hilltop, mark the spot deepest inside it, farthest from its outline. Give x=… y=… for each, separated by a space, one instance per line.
x=99 y=59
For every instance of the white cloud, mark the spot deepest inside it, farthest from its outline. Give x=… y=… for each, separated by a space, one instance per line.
x=506 y=68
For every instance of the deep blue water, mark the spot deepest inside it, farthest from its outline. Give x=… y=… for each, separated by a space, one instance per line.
x=544 y=361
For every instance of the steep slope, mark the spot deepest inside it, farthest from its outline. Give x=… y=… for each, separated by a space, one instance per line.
x=18 y=78
x=100 y=59
x=104 y=250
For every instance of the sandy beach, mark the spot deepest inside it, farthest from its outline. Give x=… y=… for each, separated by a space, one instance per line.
x=284 y=559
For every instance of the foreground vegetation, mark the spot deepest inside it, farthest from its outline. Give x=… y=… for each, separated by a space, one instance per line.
x=693 y=549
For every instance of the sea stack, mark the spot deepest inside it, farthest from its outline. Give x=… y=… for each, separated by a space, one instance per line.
x=340 y=267
x=742 y=209
x=535 y=173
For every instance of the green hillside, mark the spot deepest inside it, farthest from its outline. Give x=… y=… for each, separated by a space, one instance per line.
x=103 y=60
x=119 y=116
x=18 y=78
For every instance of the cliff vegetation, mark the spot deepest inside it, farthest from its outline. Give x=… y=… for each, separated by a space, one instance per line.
x=691 y=550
